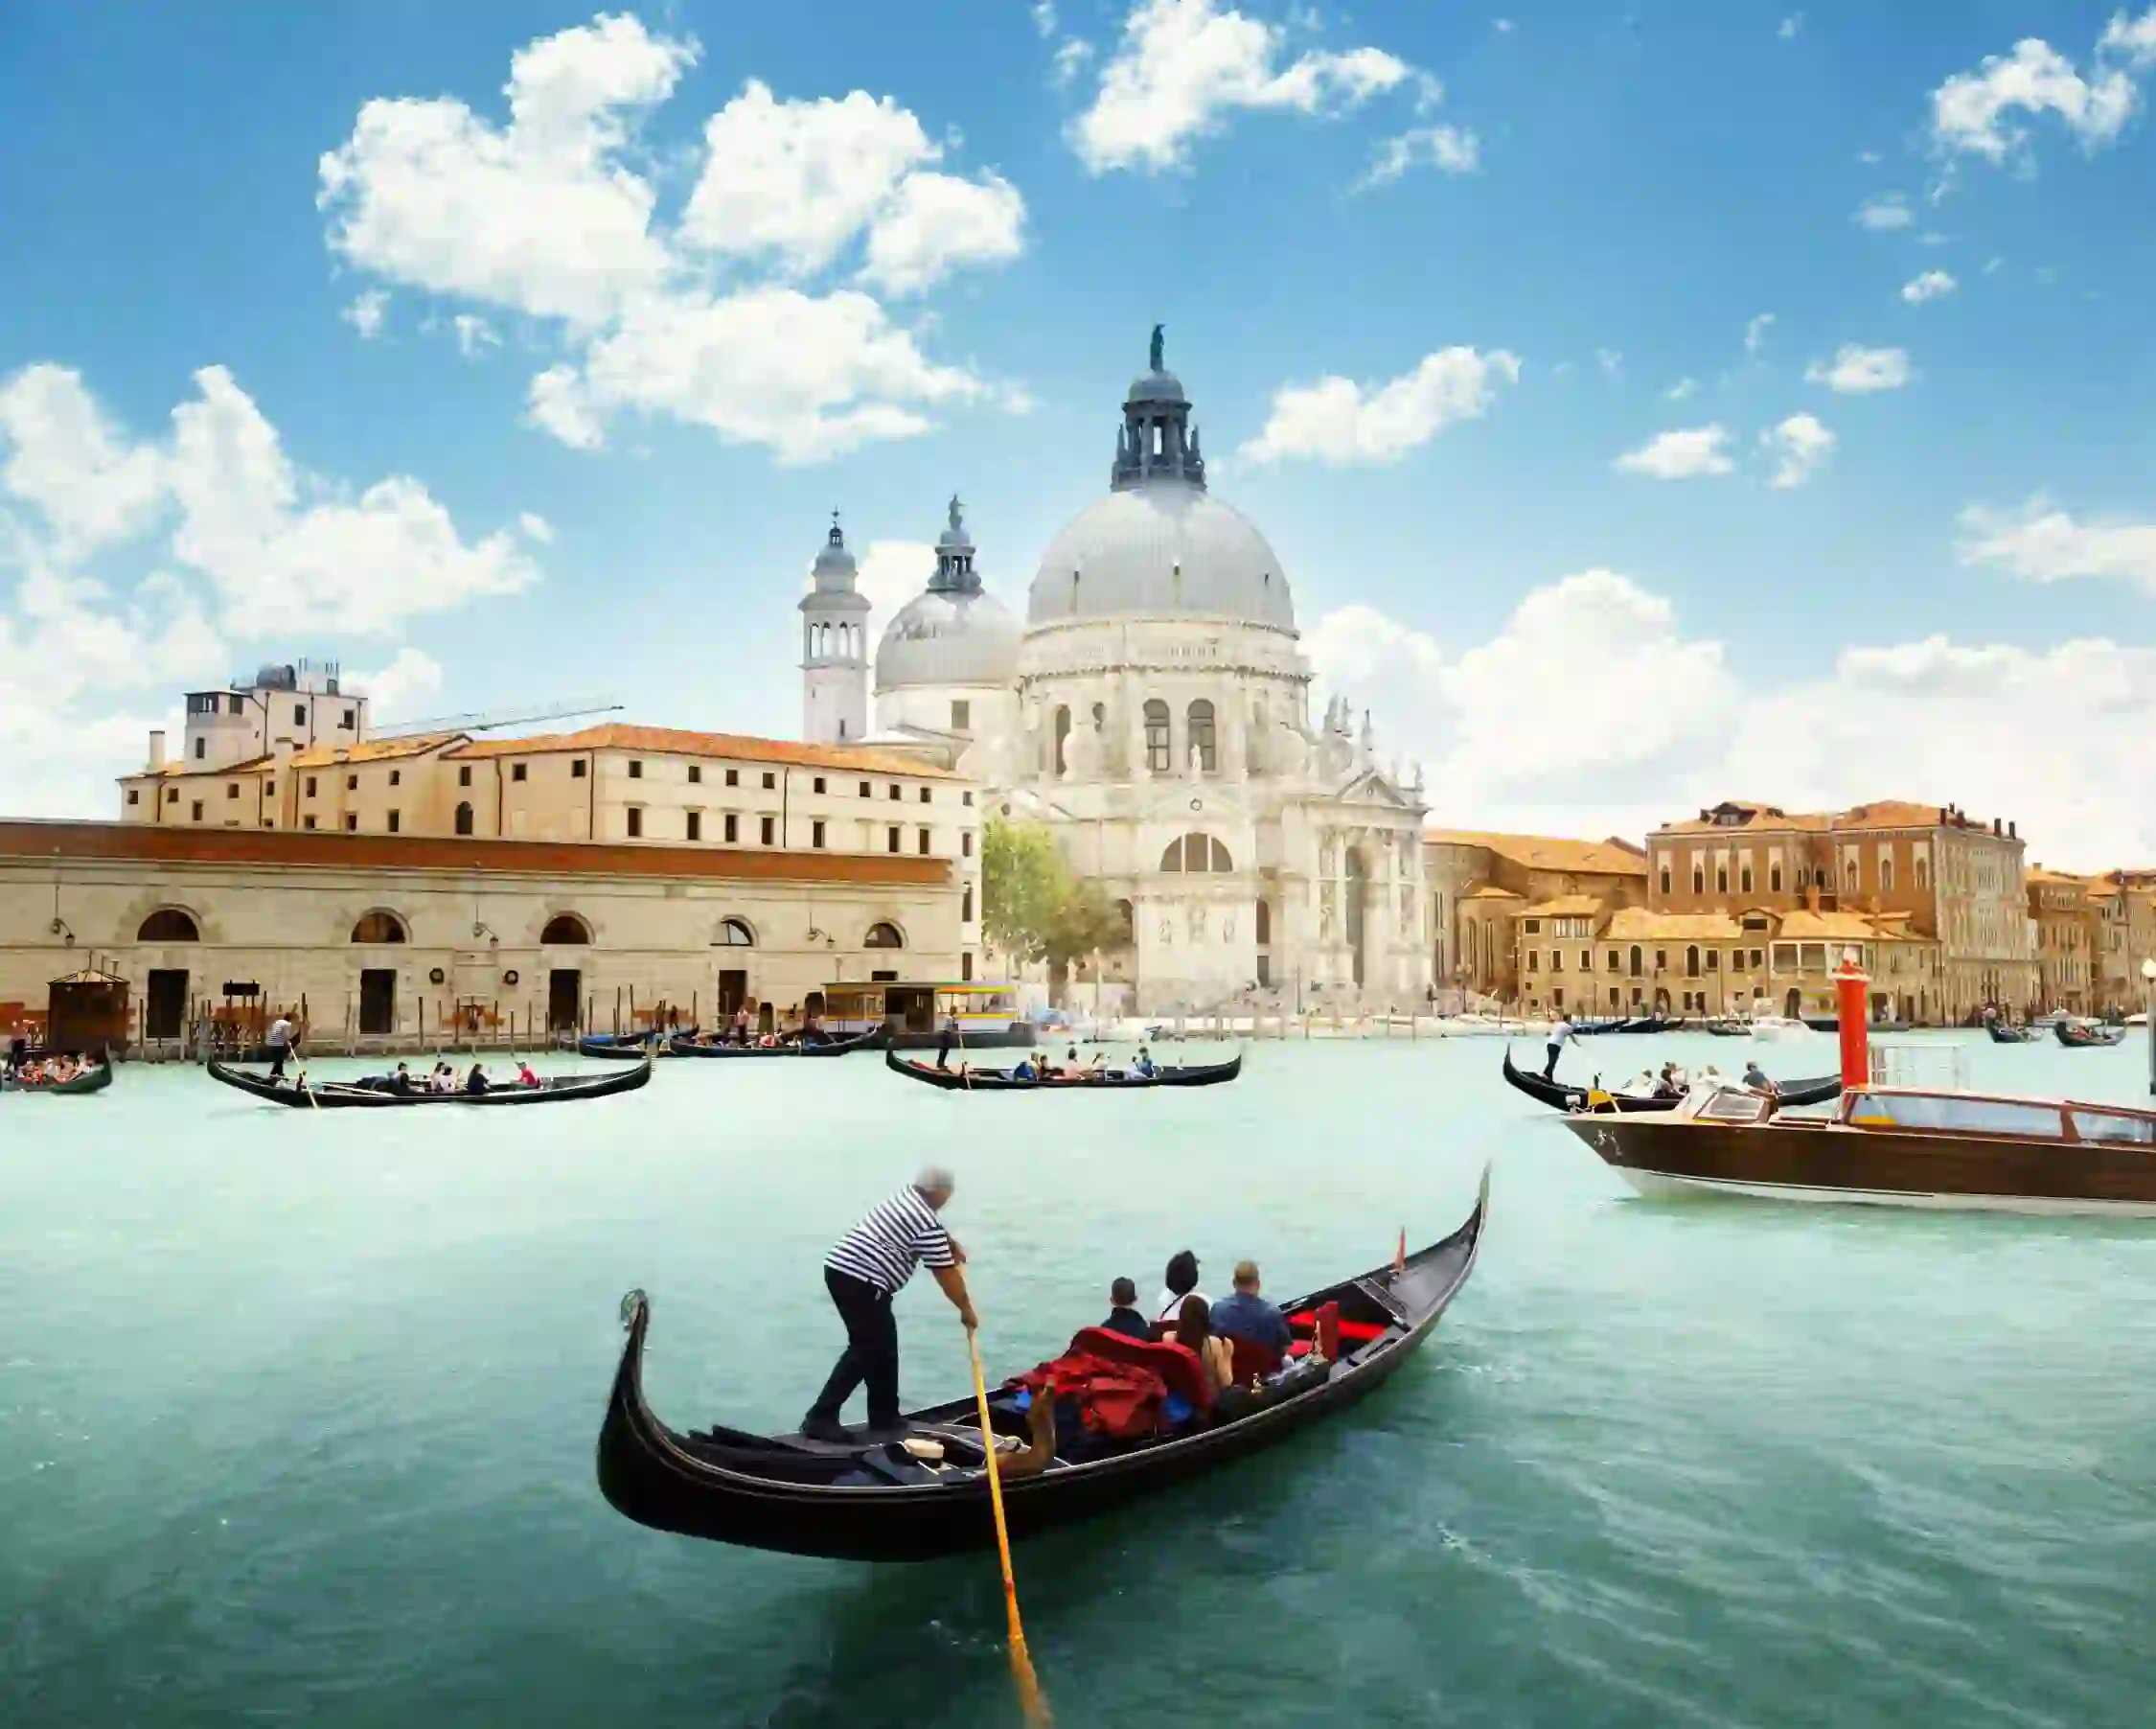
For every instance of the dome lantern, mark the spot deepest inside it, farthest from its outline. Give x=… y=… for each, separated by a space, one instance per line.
x=1156 y=441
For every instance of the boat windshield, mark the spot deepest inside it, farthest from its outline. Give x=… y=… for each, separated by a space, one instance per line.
x=1955 y=1114
x=1728 y=1105
x=2114 y=1125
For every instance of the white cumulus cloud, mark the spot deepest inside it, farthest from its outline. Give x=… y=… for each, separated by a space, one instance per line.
x=2046 y=544
x=1184 y=67
x=1930 y=286
x=1798 y=446
x=1683 y=455
x=1985 y=113
x=1339 y=420
x=1449 y=150
x=1856 y=369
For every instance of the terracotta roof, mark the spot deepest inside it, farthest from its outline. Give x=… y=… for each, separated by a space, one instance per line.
x=1758 y=818
x=1611 y=857
x=669 y=741
x=315 y=756
x=1803 y=923
x=1859 y=819
x=1632 y=923
x=2036 y=873
x=1488 y=892
x=1565 y=906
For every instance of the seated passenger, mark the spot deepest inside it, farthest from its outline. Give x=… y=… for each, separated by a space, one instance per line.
x=525 y=1075
x=1123 y=1316
x=1181 y=1281
x=400 y=1082
x=1247 y=1315
x=444 y=1079
x=476 y=1081
x=1022 y=1069
x=1141 y=1064
x=1194 y=1330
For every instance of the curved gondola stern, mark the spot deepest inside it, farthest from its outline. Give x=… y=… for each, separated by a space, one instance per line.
x=623 y=1455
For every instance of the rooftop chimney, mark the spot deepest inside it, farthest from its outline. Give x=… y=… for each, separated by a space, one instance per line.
x=1943 y=813
x=2012 y=833
x=157 y=750
x=1997 y=826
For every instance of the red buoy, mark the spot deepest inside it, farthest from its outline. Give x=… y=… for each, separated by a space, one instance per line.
x=1852 y=1008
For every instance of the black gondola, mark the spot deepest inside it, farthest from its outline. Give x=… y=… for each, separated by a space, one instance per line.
x=2002 y=1034
x=626 y=1046
x=91 y=1080
x=340 y=1095
x=862 y=1041
x=2086 y=1036
x=1106 y=1080
x=875 y=1503
x=1560 y=1097
x=1644 y=1024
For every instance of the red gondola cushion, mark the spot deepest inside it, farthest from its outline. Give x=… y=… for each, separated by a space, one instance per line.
x=1352 y=1332
x=1176 y=1365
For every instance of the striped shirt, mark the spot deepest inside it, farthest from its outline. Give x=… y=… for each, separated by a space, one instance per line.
x=886 y=1247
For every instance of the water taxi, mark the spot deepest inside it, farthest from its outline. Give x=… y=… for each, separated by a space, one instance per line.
x=987 y=1015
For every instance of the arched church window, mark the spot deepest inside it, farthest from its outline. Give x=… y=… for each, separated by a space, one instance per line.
x=1062 y=739
x=1197 y=853
x=882 y=936
x=464 y=820
x=1200 y=721
x=168 y=923
x=565 y=927
x=378 y=927
x=1156 y=755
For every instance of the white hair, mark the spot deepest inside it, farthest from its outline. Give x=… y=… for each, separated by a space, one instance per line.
x=934 y=1179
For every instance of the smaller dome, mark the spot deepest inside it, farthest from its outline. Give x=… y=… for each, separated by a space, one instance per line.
x=949 y=637
x=835 y=568
x=1157 y=387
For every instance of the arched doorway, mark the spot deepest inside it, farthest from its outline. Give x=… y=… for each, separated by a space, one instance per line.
x=1356 y=912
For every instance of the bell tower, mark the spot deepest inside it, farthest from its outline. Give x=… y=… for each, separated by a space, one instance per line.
x=833 y=649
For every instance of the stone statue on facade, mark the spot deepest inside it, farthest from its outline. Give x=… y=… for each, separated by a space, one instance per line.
x=1155 y=361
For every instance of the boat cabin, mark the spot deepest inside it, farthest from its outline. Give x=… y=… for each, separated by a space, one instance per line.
x=919 y=1009
x=1913 y=1111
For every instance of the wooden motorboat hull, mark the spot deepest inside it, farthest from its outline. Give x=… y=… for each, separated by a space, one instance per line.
x=996 y=1080
x=1879 y=1167
x=1560 y=1097
x=697 y=1487
x=332 y=1096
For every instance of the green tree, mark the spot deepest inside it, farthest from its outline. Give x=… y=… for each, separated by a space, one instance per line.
x=1033 y=910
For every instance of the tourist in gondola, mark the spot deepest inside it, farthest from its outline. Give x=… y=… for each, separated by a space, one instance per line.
x=444 y=1079
x=1181 y=1280
x=1023 y=1069
x=1123 y=1315
x=1558 y=1034
x=400 y=1081
x=1756 y=1081
x=1247 y=1315
x=1194 y=1332
x=476 y=1082
x=870 y=1265
x=525 y=1075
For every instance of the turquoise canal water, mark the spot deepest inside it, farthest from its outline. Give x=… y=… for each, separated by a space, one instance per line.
x=297 y=1412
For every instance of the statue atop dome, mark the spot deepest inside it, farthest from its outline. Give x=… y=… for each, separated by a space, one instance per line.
x=957 y=525
x=1156 y=361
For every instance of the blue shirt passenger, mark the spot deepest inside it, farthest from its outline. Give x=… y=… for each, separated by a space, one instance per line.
x=1247 y=1315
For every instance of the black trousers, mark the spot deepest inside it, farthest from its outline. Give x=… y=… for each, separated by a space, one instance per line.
x=277 y=1056
x=1550 y=1068
x=871 y=1353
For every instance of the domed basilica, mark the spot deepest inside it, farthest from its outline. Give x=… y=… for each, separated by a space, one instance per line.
x=1153 y=712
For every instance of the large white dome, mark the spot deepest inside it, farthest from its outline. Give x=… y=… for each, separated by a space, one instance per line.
x=955 y=637
x=1164 y=546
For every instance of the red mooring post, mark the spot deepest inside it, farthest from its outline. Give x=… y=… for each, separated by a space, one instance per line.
x=1852 y=1008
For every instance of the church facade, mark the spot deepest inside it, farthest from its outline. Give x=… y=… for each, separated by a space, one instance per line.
x=1153 y=712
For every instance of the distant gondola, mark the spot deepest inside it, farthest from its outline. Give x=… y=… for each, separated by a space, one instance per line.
x=1107 y=1080
x=2002 y=1034
x=90 y=1080
x=1562 y=1097
x=1644 y=1024
x=862 y=1041
x=876 y=1503
x=626 y=1046
x=2086 y=1036
x=340 y=1095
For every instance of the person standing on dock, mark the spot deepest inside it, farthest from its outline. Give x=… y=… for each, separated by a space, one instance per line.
x=868 y=1267
x=1558 y=1034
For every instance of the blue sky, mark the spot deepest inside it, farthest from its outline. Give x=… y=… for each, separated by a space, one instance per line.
x=517 y=407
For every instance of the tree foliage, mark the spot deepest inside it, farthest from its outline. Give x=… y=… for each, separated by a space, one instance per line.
x=1032 y=907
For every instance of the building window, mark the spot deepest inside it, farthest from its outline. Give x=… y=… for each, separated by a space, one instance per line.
x=733 y=828
x=134 y=795
x=966 y=966
x=966 y=905
x=882 y=936
x=1635 y=967
x=636 y=769
x=576 y=768
x=565 y=927
x=694 y=827
x=1157 y=758
x=1744 y=880
x=464 y=820
x=1534 y=960
x=891 y=838
x=896 y=793
x=1885 y=876
x=966 y=798
x=232 y=789
x=1699 y=879
x=1062 y=739
x=770 y=827
x=516 y=770
x=815 y=832
x=1557 y=961
x=1531 y=926
x=1586 y=960
x=819 y=783
x=635 y=822
x=771 y=780
x=735 y=933
x=197 y=809
x=1849 y=875
x=1200 y=719
x=1195 y=853
x=396 y=777
x=961 y=719
x=921 y=843
x=1666 y=878
x=393 y=822
x=464 y=776
x=299 y=714
x=966 y=844
x=1923 y=873
x=352 y=822
x=1774 y=878
x=865 y=792
x=1715 y=961
x=695 y=775
x=1721 y=878
x=307 y=822
x=378 y=925
x=352 y=783
x=924 y=796
x=733 y=777
x=1616 y=966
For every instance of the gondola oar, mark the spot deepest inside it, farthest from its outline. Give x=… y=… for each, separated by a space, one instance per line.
x=1035 y=1707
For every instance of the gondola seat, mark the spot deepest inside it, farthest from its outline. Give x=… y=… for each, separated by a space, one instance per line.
x=1176 y=1365
x=1252 y=1360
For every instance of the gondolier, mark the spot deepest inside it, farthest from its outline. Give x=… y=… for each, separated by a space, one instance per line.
x=280 y=1043
x=1558 y=1034
x=870 y=1265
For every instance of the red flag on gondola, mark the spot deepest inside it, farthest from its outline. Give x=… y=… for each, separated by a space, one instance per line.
x=1400 y=1255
